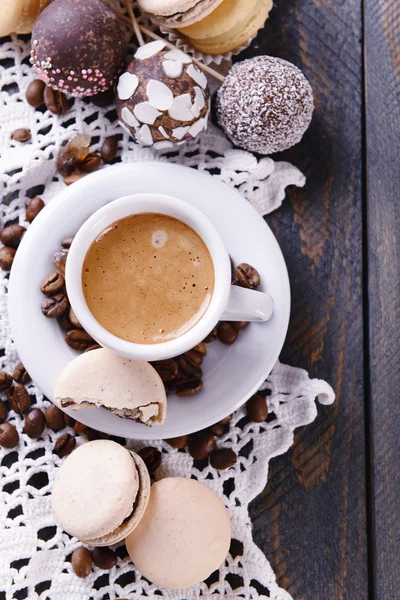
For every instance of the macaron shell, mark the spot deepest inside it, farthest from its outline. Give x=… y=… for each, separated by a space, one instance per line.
x=10 y=14
x=184 y=535
x=183 y=18
x=95 y=489
x=142 y=500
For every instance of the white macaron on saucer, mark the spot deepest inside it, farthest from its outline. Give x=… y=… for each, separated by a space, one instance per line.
x=231 y=373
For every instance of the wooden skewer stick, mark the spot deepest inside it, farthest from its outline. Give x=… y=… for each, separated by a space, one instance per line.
x=134 y=22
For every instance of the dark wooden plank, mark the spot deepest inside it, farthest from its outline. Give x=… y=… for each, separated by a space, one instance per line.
x=311 y=519
x=382 y=78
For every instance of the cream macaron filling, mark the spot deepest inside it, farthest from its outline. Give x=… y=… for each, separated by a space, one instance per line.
x=176 y=13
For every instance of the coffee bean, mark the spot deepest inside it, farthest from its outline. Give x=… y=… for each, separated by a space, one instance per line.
x=8 y=436
x=226 y=420
x=21 y=135
x=248 y=276
x=66 y=243
x=201 y=445
x=3 y=411
x=73 y=319
x=151 y=457
x=79 y=428
x=227 y=332
x=19 y=399
x=178 y=442
x=35 y=205
x=104 y=558
x=54 y=417
x=81 y=562
x=217 y=430
x=103 y=99
x=35 y=93
x=188 y=387
x=235 y=282
x=212 y=336
x=65 y=444
x=202 y=348
x=20 y=374
x=5 y=381
x=73 y=154
x=52 y=284
x=167 y=369
x=109 y=149
x=73 y=177
x=223 y=458
x=91 y=163
x=257 y=409
x=69 y=421
x=55 y=101
x=241 y=324
x=78 y=339
x=195 y=357
x=59 y=260
x=34 y=423
x=6 y=258
x=55 y=306
x=64 y=322
x=11 y=236
x=94 y=347
x=189 y=369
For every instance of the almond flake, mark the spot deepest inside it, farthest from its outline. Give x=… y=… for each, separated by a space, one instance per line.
x=159 y=95
x=149 y=49
x=146 y=113
x=127 y=85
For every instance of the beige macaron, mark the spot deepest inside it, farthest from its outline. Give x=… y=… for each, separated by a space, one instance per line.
x=101 y=493
x=178 y=13
x=18 y=16
x=229 y=26
x=131 y=389
x=184 y=535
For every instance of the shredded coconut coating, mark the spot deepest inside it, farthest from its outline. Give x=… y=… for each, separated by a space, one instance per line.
x=265 y=104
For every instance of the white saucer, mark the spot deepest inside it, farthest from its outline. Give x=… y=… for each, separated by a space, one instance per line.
x=231 y=373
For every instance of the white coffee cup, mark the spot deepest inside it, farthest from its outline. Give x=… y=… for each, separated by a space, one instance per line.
x=228 y=303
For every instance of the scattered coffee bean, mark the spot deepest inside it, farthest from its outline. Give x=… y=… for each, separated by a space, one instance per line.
x=178 y=442
x=94 y=347
x=19 y=399
x=8 y=436
x=195 y=357
x=55 y=306
x=81 y=562
x=188 y=387
x=12 y=235
x=91 y=163
x=189 y=369
x=54 y=417
x=35 y=205
x=65 y=444
x=73 y=319
x=79 y=428
x=227 y=332
x=35 y=93
x=223 y=458
x=212 y=336
x=201 y=445
x=226 y=420
x=56 y=102
x=217 y=430
x=59 y=260
x=21 y=135
x=167 y=369
x=104 y=558
x=241 y=324
x=73 y=177
x=93 y=434
x=109 y=149
x=103 y=99
x=248 y=276
x=34 y=423
x=78 y=339
x=257 y=409
x=5 y=381
x=66 y=243
x=20 y=374
x=6 y=258
x=151 y=457
x=73 y=154
x=3 y=411
x=64 y=322
x=235 y=282
x=202 y=348
x=52 y=284
x=69 y=421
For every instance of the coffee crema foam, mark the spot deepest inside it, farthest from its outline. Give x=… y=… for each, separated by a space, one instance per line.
x=148 y=278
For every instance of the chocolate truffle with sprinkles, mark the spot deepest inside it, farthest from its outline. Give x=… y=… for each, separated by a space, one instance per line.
x=162 y=98
x=265 y=104
x=78 y=46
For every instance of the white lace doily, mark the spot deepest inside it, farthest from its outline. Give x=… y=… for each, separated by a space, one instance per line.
x=34 y=551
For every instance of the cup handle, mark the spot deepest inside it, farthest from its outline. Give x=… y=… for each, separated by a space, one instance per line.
x=248 y=305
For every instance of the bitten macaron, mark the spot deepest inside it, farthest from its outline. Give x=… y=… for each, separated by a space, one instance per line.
x=178 y=13
x=100 y=493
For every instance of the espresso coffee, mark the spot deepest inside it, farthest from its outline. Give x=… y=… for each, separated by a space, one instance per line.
x=148 y=278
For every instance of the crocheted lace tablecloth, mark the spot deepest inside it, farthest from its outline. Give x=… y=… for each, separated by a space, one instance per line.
x=34 y=552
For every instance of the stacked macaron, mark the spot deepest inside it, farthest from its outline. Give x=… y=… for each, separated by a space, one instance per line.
x=212 y=26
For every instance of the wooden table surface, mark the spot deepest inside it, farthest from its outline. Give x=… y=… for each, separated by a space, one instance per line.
x=329 y=518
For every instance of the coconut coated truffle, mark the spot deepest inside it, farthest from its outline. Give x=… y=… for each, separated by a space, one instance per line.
x=265 y=104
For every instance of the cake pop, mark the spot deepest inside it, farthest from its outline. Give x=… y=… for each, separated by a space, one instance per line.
x=162 y=98
x=265 y=104
x=78 y=46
